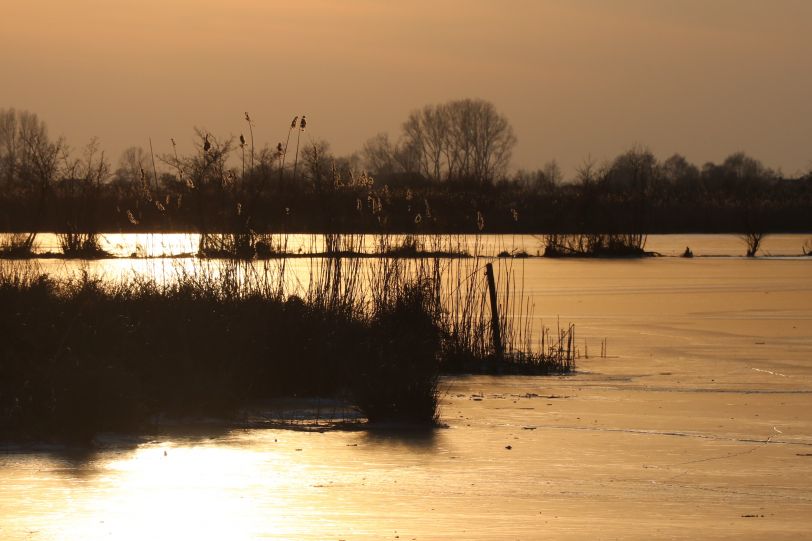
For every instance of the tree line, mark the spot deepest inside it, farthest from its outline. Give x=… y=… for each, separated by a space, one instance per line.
x=446 y=171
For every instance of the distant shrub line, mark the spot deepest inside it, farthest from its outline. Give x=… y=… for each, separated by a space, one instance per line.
x=446 y=175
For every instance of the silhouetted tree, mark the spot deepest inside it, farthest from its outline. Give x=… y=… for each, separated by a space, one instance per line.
x=207 y=177
x=459 y=140
x=30 y=161
x=80 y=189
x=753 y=241
x=678 y=169
x=131 y=176
x=316 y=157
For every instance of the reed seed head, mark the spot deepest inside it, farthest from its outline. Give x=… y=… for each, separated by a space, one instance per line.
x=131 y=218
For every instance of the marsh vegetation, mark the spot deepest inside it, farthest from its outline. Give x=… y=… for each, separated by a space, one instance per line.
x=446 y=172
x=84 y=354
x=374 y=328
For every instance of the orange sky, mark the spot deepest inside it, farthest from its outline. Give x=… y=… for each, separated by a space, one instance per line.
x=575 y=77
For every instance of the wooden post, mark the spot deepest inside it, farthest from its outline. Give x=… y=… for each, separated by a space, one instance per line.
x=497 y=336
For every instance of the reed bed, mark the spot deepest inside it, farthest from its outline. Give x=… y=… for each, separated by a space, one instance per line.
x=85 y=354
x=595 y=245
x=17 y=245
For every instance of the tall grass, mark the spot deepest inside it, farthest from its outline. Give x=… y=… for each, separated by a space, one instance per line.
x=466 y=321
x=86 y=354
x=83 y=355
x=76 y=244
x=17 y=245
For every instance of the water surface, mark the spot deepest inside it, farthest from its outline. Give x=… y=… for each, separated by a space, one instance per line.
x=698 y=424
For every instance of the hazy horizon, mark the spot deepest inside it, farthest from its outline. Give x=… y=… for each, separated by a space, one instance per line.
x=576 y=79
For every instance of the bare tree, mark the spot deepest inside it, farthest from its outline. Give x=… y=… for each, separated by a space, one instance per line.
x=425 y=130
x=678 y=169
x=383 y=157
x=81 y=185
x=379 y=155
x=460 y=140
x=552 y=173
x=588 y=173
x=132 y=174
x=316 y=158
x=29 y=162
x=635 y=172
x=39 y=158
x=753 y=241
x=9 y=146
x=493 y=141
x=207 y=176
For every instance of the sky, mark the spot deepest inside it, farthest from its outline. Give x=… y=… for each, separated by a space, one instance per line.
x=575 y=78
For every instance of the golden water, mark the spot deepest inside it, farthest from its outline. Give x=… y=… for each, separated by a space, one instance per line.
x=698 y=425
x=174 y=244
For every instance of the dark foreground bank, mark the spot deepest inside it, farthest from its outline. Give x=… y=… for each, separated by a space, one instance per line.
x=82 y=356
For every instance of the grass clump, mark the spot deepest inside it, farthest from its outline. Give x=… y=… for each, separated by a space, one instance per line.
x=595 y=245
x=468 y=344
x=79 y=245
x=404 y=350
x=82 y=355
x=17 y=245
x=418 y=246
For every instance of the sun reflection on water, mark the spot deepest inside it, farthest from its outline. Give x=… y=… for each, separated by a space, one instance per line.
x=182 y=491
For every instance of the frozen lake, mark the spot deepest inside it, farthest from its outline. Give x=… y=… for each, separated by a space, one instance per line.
x=697 y=425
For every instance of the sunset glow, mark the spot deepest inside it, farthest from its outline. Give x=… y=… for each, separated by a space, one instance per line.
x=575 y=78
x=428 y=270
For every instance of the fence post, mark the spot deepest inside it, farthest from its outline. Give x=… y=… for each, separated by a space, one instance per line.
x=495 y=332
